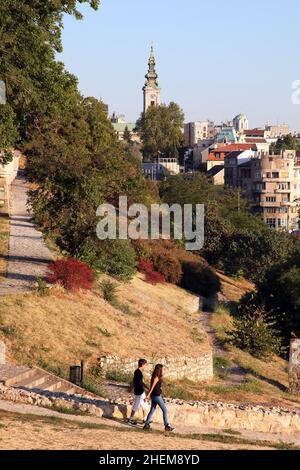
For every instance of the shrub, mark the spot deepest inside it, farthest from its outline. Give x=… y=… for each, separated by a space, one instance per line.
x=72 y=274
x=114 y=257
x=199 y=279
x=167 y=264
x=118 y=259
x=109 y=291
x=254 y=332
x=142 y=249
x=42 y=288
x=145 y=266
x=154 y=277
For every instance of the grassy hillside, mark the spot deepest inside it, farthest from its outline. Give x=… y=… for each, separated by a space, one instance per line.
x=62 y=328
x=239 y=377
x=234 y=289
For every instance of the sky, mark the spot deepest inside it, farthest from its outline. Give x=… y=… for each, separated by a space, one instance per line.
x=215 y=58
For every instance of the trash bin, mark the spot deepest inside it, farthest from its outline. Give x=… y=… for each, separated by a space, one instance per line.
x=75 y=375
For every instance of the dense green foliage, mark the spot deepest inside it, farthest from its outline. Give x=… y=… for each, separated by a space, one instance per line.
x=254 y=331
x=74 y=158
x=279 y=291
x=8 y=133
x=235 y=240
x=288 y=142
x=160 y=129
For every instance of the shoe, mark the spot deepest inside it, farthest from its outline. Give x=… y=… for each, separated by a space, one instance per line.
x=147 y=427
x=132 y=421
x=169 y=428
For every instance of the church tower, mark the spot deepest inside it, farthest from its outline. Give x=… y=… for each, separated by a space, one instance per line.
x=151 y=89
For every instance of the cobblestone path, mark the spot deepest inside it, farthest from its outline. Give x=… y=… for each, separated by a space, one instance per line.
x=28 y=255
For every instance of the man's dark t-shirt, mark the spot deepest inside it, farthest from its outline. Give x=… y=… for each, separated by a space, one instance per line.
x=138 y=382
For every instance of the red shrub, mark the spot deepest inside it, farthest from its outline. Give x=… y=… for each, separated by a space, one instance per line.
x=154 y=277
x=71 y=274
x=145 y=266
x=167 y=264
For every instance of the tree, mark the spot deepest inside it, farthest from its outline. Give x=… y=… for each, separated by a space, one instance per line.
x=160 y=129
x=279 y=290
x=8 y=133
x=288 y=142
x=30 y=36
x=74 y=158
x=254 y=331
x=235 y=239
x=127 y=135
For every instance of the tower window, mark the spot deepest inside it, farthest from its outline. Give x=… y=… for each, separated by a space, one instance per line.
x=152 y=103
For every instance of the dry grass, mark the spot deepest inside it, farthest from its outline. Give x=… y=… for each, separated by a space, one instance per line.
x=234 y=289
x=62 y=328
x=4 y=239
x=264 y=382
x=24 y=432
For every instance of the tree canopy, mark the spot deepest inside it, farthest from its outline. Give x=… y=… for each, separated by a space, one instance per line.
x=288 y=142
x=160 y=129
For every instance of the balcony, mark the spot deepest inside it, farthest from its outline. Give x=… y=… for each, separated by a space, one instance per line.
x=269 y=204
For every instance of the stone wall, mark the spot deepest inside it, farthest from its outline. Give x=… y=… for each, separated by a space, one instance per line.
x=294 y=366
x=213 y=415
x=195 y=368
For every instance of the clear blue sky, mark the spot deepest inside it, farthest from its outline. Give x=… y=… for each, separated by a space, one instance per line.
x=216 y=58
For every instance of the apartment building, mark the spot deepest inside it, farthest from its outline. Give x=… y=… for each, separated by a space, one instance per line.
x=200 y=130
x=277 y=131
x=272 y=185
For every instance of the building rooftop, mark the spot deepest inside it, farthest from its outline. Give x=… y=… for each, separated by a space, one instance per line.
x=256 y=132
x=256 y=140
x=215 y=170
x=121 y=126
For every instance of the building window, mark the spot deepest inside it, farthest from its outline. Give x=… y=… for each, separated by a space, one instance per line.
x=271 y=199
x=271 y=223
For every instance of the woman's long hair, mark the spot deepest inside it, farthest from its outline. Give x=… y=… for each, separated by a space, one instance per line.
x=158 y=372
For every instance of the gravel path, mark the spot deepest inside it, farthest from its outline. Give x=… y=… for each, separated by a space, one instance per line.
x=28 y=254
x=23 y=409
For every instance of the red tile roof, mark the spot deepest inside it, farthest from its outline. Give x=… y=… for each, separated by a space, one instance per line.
x=232 y=147
x=250 y=132
x=256 y=140
x=224 y=150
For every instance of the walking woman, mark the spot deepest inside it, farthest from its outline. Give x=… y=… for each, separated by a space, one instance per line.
x=156 y=398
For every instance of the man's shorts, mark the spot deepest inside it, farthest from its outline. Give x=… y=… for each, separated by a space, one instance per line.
x=139 y=400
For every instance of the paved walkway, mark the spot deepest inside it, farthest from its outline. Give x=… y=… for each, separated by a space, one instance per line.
x=24 y=409
x=28 y=254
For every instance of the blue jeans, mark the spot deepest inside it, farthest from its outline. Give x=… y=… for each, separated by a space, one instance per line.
x=160 y=402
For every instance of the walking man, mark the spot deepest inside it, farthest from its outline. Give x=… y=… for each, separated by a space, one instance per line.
x=139 y=392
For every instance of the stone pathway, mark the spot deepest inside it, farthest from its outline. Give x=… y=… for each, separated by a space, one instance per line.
x=25 y=409
x=28 y=254
x=236 y=375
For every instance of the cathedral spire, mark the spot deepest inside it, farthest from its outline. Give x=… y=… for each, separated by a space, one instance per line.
x=151 y=88
x=151 y=76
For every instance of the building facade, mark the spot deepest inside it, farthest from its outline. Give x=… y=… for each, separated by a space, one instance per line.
x=198 y=131
x=272 y=185
x=275 y=132
x=151 y=89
